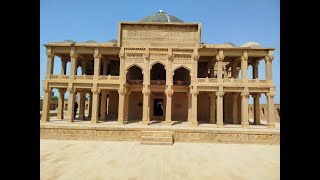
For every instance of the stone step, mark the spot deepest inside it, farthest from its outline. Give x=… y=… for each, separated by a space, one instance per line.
x=156 y=139
x=156 y=143
x=157 y=133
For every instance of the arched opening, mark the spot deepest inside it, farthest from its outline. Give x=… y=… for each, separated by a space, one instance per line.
x=181 y=76
x=134 y=75
x=158 y=74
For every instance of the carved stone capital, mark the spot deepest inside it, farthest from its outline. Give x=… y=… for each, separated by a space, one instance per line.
x=245 y=94
x=97 y=54
x=244 y=57
x=194 y=92
x=50 y=54
x=146 y=91
x=270 y=94
x=71 y=90
x=169 y=92
x=47 y=89
x=95 y=90
x=73 y=53
x=220 y=57
x=220 y=94
x=269 y=58
x=62 y=91
x=121 y=54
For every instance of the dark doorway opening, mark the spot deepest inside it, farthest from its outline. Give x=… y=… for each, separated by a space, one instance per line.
x=158 y=107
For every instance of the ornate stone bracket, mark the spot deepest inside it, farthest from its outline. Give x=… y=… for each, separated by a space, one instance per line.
x=220 y=93
x=244 y=57
x=220 y=56
x=97 y=54
x=50 y=54
x=169 y=92
x=122 y=53
x=73 y=53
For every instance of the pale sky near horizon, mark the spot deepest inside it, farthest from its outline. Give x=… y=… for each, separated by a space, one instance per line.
x=222 y=21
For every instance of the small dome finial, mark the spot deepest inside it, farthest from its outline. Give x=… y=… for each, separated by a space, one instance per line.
x=160 y=11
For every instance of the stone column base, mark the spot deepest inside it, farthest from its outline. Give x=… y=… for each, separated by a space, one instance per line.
x=120 y=121
x=244 y=125
x=168 y=123
x=94 y=121
x=193 y=123
x=220 y=125
x=271 y=125
x=145 y=122
x=69 y=120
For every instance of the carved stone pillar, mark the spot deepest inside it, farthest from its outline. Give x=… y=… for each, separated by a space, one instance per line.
x=194 y=76
x=255 y=68
x=169 y=93
x=194 y=107
x=212 y=62
x=212 y=96
x=63 y=66
x=82 y=104
x=103 y=105
x=84 y=67
x=268 y=66
x=256 y=108
x=244 y=66
x=235 y=108
x=219 y=58
x=46 y=103
x=61 y=104
x=97 y=61
x=50 y=60
x=270 y=109
x=126 y=106
x=73 y=66
x=72 y=94
x=122 y=73
x=244 y=108
x=95 y=104
x=169 y=76
x=122 y=93
x=234 y=72
x=146 y=108
x=220 y=95
x=90 y=105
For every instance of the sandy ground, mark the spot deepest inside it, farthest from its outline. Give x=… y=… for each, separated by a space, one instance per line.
x=80 y=159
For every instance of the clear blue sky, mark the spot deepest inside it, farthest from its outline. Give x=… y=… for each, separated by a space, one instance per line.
x=222 y=21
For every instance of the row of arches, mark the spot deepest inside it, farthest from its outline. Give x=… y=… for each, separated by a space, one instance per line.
x=181 y=75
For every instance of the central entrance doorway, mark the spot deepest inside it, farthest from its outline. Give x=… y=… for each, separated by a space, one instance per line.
x=158 y=107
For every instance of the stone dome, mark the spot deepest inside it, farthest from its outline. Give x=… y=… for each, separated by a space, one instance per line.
x=68 y=41
x=112 y=41
x=251 y=44
x=91 y=41
x=230 y=44
x=161 y=16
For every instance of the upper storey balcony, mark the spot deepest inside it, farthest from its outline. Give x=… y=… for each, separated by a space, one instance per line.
x=78 y=64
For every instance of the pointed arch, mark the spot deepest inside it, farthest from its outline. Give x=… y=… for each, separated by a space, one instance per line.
x=181 y=66
x=156 y=62
x=134 y=64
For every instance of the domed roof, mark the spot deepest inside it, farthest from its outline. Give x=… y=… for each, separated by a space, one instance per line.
x=161 y=16
x=230 y=44
x=68 y=41
x=91 y=41
x=251 y=44
x=112 y=41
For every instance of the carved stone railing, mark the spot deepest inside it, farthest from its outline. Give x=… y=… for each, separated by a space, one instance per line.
x=54 y=76
x=181 y=83
x=257 y=81
x=207 y=80
x=137 y=82
x=109 y=77
x=158 y=82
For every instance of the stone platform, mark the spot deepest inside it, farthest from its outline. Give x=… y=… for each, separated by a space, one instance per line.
x=181 y=132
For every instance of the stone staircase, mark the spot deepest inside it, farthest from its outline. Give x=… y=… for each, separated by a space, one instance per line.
x=156 y=138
